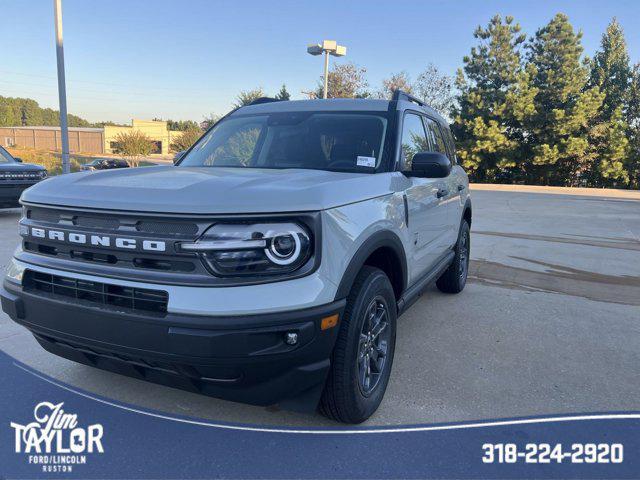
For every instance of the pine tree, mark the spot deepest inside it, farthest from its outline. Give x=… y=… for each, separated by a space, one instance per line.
x=633 y=133
x=613 y=152
x=494 y=102
x=611 y=70
x=611 y=73
x=283 y=94
x=564 y=104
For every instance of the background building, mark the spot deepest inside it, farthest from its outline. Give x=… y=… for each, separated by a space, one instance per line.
x=88 y=140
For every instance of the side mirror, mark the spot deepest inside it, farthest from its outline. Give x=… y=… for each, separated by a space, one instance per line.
x=430 y=165
x=17 y=159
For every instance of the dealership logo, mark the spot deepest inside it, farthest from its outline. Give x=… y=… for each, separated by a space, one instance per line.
x=95 y=240
x=55 y=441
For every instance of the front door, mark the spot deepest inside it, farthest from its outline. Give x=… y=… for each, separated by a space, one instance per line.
x=427 y=219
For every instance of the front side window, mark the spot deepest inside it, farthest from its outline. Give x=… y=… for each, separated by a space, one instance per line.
x=309 y=140
x=414 y=139
x=5 y=157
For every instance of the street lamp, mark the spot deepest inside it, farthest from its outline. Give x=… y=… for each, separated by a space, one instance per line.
x=328 y=47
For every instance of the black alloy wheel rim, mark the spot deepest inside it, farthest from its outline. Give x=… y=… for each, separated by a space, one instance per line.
x=463 y=267
x=373 y=345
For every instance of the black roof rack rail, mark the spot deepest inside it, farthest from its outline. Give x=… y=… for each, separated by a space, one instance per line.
x=260 y=100
x=400 y=95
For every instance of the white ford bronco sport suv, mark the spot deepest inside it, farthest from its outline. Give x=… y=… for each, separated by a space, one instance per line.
x=269 y=265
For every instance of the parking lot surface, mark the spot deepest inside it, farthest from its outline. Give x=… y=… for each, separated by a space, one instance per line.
x=549 y=322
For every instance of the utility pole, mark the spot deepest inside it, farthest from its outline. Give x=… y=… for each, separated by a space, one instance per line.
x=62 y=89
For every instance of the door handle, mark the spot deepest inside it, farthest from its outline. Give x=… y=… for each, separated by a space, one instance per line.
x=442 y=192
x=460 y=188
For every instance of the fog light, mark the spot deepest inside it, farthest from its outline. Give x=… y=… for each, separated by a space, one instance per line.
x=291 y=338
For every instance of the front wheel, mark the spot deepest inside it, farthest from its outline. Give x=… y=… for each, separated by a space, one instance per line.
x=363 y=354
x=454 y=278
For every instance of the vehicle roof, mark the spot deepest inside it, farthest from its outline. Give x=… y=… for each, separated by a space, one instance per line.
x=335 y=105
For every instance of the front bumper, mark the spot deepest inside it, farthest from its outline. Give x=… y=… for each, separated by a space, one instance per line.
x=10 y=194
x=241 y=358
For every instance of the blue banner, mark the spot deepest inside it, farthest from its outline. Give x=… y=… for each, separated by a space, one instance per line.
x=52 y=430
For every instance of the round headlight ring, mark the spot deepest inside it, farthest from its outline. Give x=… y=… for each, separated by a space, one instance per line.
x=277 y=257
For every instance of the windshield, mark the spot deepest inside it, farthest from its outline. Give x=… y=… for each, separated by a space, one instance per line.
x=5 y=157
x=323 y=141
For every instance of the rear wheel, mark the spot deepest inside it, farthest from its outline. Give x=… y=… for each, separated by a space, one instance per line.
x=363 y=355
x=454 y=278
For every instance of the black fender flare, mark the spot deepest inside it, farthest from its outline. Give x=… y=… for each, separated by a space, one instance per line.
x=467 y=206
x=380 y=239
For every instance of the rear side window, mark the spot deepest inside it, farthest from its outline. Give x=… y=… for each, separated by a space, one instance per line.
x=436 y=136
x=451 y=144
x=414 y=139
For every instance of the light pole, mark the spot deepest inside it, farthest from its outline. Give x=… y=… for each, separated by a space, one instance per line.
x=62 y=89
x=328 y=47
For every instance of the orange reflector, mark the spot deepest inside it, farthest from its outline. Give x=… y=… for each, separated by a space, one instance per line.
x=329 y=322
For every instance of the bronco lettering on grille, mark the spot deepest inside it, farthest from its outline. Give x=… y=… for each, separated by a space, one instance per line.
x=98 y=240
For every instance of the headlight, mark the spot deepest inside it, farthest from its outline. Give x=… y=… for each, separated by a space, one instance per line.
x=253 y=249
x=15 y=271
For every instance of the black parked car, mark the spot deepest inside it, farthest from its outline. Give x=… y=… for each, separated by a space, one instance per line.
x=15 y=177
x=105 y=164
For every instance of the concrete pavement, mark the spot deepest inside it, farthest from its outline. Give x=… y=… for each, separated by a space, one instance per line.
x=549 y=322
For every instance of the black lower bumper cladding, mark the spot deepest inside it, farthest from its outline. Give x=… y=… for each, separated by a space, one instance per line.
x=10 y=194
x=239 y=358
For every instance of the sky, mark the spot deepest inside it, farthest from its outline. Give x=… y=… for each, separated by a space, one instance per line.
x=186 y=59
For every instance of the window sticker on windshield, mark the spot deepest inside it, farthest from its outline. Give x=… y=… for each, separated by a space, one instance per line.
x=366 y=161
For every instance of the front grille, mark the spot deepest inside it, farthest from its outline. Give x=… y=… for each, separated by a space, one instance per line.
x=43 y=215
x=20 y=176
x=182 y=229
x=97 y=293
x=167 y=228
x=105 y=223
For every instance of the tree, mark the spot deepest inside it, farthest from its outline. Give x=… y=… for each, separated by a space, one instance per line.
x=612 y=150
x=611 y=74
x=30 y=112
x=345 y=81
x=27 y=112
x=133 y=145
x=494 y=102
x=182 y=125
x=186 y=139
x=633 y=124
x=397 y=81
x=283 y=94
x=611 y=70
x=245 y=97
x=6 y=115
x=209 y=121
x=436 y=89
x=564 y=103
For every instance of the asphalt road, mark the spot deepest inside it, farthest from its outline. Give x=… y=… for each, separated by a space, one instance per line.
x=549 y=323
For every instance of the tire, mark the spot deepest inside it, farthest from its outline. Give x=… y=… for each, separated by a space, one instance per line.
x=454 y=278
x=347 y=397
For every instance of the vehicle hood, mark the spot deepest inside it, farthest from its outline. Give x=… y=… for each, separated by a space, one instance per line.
x=20 y=167
x=210 y=190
